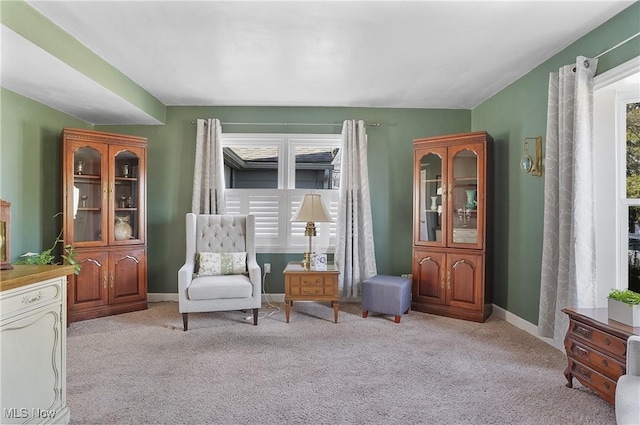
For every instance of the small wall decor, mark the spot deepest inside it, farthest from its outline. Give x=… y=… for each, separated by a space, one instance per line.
x=5 y=235
x=531 y=165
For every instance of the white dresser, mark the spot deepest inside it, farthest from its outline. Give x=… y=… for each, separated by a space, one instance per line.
x=33 y=345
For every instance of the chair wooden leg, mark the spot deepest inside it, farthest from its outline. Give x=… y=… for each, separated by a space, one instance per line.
x=365 y=314
x=255 y=317
x=397 y=319
x=185 y=320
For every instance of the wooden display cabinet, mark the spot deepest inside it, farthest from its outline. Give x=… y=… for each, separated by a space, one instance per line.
x=104 y=206
x=450 y=250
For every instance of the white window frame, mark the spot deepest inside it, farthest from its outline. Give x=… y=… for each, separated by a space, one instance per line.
x=263 y=203
x=622 y=99
x=611 y=202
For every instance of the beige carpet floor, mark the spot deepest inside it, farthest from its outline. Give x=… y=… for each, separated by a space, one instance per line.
x=141 y=367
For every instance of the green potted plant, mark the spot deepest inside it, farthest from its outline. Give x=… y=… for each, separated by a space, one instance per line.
x=624 y=307
x=46 y=257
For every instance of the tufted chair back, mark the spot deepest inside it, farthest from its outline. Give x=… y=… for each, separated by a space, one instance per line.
x=221 y=233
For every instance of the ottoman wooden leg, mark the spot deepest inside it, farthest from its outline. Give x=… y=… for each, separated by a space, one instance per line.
x=365 y=314
x=406 y=312
x=397 y=319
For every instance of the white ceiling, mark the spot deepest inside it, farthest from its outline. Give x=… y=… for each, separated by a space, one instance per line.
x=398 y=54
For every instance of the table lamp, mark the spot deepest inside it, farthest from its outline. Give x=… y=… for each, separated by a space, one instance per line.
x=311 y=210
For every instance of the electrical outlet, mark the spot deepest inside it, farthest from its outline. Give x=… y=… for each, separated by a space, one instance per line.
x=267 y=267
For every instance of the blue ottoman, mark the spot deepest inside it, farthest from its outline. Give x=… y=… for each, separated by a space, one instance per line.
x=386 y=295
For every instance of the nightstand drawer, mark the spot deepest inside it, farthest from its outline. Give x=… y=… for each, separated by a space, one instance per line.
x=593 y=358
x=598 y=339
x=32 y=296
x=311 y=285
x=312 y=280
x=312 y=289
x=600 y=383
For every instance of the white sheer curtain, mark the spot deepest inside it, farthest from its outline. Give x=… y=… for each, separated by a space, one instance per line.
x=568 y=276
x=208 y=170
x=355 y=253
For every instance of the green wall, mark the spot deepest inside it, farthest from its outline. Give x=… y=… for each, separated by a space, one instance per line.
x=517 y=112
x=171 y=154
x=30 y=164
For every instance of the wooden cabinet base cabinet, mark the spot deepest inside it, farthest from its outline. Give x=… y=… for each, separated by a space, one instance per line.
x=596 y=350
x=450 y=284
x=109 y=283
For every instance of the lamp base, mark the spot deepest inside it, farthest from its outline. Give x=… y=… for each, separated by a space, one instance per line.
x=306 y=262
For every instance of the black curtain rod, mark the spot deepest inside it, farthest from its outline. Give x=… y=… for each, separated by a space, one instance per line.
x=287 y=124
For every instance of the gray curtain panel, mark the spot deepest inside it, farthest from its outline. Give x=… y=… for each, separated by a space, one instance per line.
x=568 y=275
x=208 y=169
x=355 y=251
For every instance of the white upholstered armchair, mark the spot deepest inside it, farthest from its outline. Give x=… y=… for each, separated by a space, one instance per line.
x=628 y=386
x=220 y=271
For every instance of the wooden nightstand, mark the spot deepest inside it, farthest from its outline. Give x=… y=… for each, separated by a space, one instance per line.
x=596 y=350
x=310 y=285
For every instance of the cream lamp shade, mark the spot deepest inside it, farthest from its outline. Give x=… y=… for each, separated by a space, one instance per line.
x=311 y=210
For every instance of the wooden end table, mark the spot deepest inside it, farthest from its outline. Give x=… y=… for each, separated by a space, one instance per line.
x=596 y=350
x=310 y=285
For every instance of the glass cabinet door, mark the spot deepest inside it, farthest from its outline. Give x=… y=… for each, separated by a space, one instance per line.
x=465 y=196
x=89 y=195
x=431 y=202
x=127 y=197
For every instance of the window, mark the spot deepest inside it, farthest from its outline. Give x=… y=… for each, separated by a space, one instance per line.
x=630 y=111
x=616 y=206
x=267 y=175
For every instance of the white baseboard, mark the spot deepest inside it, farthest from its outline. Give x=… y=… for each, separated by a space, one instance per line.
x=160 y=297
x=520 y=323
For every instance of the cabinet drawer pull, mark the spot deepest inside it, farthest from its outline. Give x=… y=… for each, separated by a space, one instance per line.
x=582 y=331
x=580 y=351
x=607 y=341
x=586 y=373
x=606 y=385
x=605 y=363
x=31 y=298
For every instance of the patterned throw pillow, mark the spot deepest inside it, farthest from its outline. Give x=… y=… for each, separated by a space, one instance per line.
x=218 y=264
